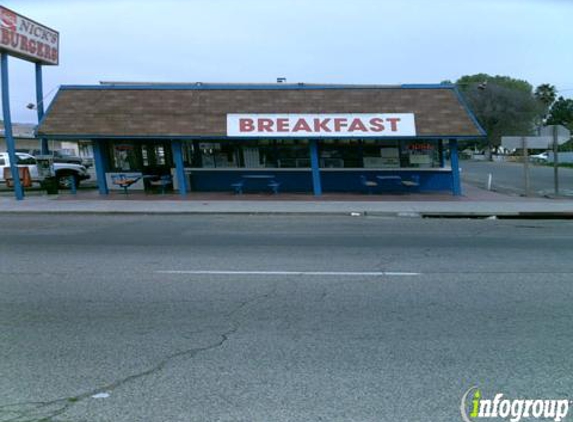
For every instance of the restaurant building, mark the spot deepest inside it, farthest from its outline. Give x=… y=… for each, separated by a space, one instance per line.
x=280 y=137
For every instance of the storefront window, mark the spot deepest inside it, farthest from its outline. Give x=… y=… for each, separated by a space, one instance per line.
x=295 y=153
x=420 y=154
x=147 y=156
x=124 y=156
x=339 y=153
x=217 y=154
x=292 y=153
x=380 y=155
x=160 y=155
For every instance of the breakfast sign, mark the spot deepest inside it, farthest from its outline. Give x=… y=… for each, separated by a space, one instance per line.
x=359 y=125
x=27 y=39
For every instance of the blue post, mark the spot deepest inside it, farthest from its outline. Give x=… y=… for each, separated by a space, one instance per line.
x=73 y=187
x=176 y=147
x=456 y=183
x=441 y=153
x=99 y=162
x=316 y=185
x=40 y=105
x=10 y=146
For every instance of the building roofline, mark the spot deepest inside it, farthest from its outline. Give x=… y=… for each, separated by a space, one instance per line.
x=243 y=86
x=88 y=136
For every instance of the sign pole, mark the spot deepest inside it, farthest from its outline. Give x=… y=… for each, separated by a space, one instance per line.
x=525 y=165
x=8 y=127
x=40 y=105
x=556 y=159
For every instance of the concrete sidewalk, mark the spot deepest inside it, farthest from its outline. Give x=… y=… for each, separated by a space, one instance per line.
x=501 y=206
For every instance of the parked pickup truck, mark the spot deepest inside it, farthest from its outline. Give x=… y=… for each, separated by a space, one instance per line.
x=62 y=156
x=63 y=171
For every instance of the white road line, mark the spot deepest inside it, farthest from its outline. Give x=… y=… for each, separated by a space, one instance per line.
x=317 y=273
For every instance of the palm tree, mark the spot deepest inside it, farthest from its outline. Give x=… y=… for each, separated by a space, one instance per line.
x=546 y=94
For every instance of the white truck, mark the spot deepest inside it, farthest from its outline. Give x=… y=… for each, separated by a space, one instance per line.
x=64 y=172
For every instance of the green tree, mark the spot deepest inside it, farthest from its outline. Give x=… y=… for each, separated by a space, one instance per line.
x=504 y=106
x=546 y=94
x=561 y=113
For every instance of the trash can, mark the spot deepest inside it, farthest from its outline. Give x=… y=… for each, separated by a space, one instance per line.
x=50 y=184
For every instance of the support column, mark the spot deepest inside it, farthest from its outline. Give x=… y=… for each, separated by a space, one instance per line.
x=99 y=162
x=314 y=163
x=177 y=149
x=456 y=181
x=441 y=152
x=40 y=106
x=10 y=146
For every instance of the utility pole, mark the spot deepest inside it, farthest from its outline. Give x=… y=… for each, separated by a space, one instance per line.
x=525 y=165
x=556 y=159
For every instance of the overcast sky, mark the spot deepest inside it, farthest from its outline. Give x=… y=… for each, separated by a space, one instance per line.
x=314 y=41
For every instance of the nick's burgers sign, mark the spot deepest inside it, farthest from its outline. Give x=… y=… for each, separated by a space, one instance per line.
x=321 y=125
x=24 y=38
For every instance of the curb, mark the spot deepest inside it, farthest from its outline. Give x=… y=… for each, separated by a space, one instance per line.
x=392 y=214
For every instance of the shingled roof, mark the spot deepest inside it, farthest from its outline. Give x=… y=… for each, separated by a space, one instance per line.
x=200 y=110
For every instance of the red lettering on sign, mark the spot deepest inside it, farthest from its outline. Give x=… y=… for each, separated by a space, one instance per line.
x=5 y=36
x=420 y=147
x=339 y=123
x=32 y=46
x=54 y=54
x=282 y=125
x=8 y=19
x=393 y=123
x=376 y=124
x=265 y=125
x=41 y=47
x=321 y=125
x=15 y=40
x=357 y=125
x=301 y=125
x=246 y=125
x=24 y=43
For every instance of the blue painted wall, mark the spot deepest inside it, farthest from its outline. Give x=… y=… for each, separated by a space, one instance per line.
x=332 y=181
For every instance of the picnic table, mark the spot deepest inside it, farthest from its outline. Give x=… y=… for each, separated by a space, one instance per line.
x=268 y=179
x=395 y=180
x=124 y=181
x=389 y=181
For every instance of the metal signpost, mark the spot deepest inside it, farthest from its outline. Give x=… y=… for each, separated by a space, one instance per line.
x=550 y=136
x=560 y=135
x=28 y=40
x=526 y=183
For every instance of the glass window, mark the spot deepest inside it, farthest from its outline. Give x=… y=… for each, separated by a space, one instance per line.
x=338 y=153
x=160 y=155
x=381 y=154
x=292 y=153
x=24 y=160
x=218 y=154
x=124 y=157
x=421 y=154
x=267 y=153
x=145 y=156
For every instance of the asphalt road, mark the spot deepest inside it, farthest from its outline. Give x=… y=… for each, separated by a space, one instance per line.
x=509 y=177
x=254 y=318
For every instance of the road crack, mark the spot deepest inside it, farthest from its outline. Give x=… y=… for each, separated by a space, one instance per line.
x=45 y=411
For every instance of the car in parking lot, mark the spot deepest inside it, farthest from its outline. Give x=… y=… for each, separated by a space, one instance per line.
x=540 y=158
